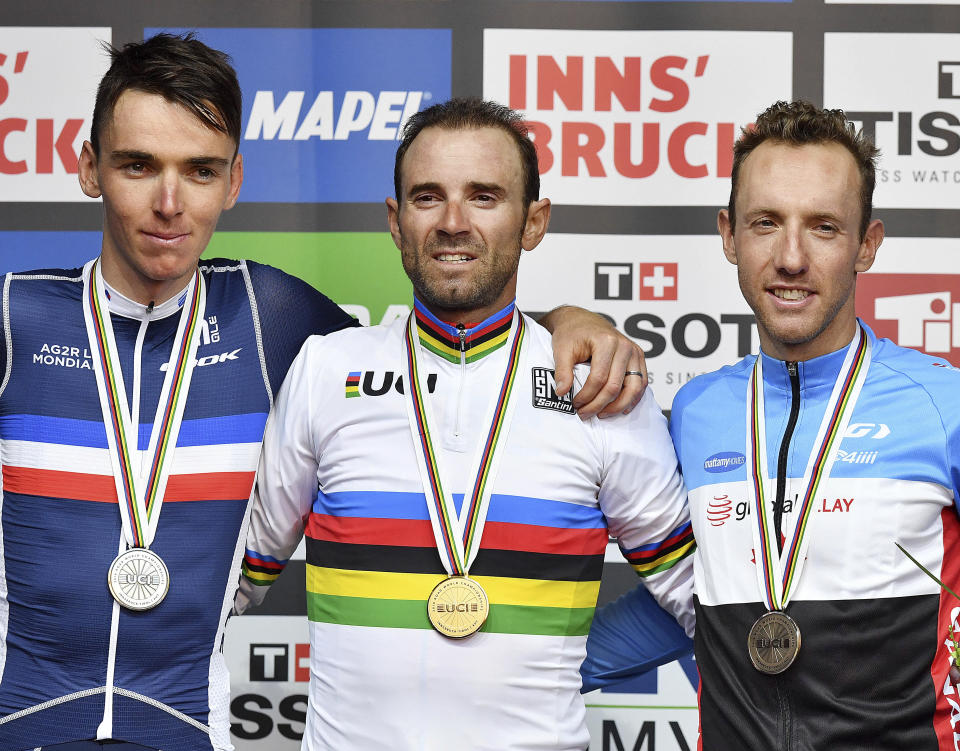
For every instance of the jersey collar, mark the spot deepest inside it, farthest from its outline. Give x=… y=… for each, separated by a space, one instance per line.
x=478 y=340
x=122 y=305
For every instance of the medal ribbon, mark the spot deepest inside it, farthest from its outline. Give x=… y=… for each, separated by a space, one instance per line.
x=778 y=574
x=141 y=493
x=458 y=538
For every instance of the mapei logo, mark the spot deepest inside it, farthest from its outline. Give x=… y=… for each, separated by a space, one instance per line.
x=374 y=383
x=615 y=281
x=323 y=108
x=921 y=311
x=545 y=392
x=272 y=662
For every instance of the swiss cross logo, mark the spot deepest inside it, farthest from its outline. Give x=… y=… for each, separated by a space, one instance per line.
x=921 y=311
x=658 y=281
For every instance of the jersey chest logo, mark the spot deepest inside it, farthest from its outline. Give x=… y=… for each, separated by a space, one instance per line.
x=545 y=392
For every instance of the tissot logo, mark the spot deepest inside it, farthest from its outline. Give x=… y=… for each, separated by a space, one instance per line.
x=268 y=662
x=948 y=79
x=545 y=392
x=906 y=97
x=921 y=311
x=378 y=383
x=272 y=662
x=614 y=281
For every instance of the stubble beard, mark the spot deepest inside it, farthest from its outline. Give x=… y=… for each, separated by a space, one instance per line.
x=784 y=332
x=479 y=291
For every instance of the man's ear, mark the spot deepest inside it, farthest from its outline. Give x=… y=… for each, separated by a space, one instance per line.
x=88 y=172
x=393 y=221
x=236 y=180
x=867 y=252
x=538 y=218
x=726 y=236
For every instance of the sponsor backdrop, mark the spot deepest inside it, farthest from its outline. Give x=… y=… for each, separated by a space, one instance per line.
x=633 y=107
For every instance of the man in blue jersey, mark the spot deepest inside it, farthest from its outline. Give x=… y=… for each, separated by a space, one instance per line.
x=814 y=630
x=143 y=380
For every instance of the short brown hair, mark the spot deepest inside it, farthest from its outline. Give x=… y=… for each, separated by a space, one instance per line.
x=472 y=113
x=182 y=70
x=799 y=123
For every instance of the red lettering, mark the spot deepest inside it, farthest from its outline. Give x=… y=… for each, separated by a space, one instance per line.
x=551 y=80
x=609 y=81
x=622 y=150
x=673 y=85
x=7 y=126
x=676 y=150
x=301 y=663
x=541 y=134
x=726 y=134
x=518 y=82
x=588 y=150
x=63 y=145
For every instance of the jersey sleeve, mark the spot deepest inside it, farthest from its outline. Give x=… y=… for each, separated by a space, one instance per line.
x=628 y=637
x=645 y=502
x=290 y=310
x=286 y=483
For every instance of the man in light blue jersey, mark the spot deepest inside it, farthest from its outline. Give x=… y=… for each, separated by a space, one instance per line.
x=814 y=630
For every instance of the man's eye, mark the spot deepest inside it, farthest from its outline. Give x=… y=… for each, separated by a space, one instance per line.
x=136 y=167
x=205 y=173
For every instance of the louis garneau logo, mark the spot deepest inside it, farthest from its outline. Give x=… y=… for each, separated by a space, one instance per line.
x=545 y=392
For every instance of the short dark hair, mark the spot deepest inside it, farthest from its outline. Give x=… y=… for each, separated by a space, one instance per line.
x=469 y=113
x=182 y=70
x=799 y=123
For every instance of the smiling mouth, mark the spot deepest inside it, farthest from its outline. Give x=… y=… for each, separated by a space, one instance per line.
x=453 y=257
x=791 y=294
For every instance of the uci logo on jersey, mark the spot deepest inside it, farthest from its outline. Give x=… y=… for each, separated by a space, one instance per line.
x=372 y=383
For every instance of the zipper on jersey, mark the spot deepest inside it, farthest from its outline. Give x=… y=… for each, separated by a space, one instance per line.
x=794 y=372
x=462 y=331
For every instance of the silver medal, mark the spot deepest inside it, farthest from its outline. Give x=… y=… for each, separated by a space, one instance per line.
x=138 y=579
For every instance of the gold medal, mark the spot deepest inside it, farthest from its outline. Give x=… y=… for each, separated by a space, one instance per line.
x=457 y=607
x=774 y=642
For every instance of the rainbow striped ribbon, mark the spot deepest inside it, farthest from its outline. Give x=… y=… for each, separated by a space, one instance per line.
x=778 y=574
x=140 y=494
x=458 y=541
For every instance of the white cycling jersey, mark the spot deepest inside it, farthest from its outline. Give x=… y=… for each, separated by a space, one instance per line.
x=339 y=464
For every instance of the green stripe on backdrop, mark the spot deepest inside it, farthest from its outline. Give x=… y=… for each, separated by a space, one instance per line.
x=503 y=619
x=351 y=268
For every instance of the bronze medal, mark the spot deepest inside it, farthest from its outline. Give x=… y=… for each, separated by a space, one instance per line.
x=773 y=642
x=457 y=607
x=138 y=579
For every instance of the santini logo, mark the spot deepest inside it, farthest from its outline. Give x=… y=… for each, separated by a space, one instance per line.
x=724 y=461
